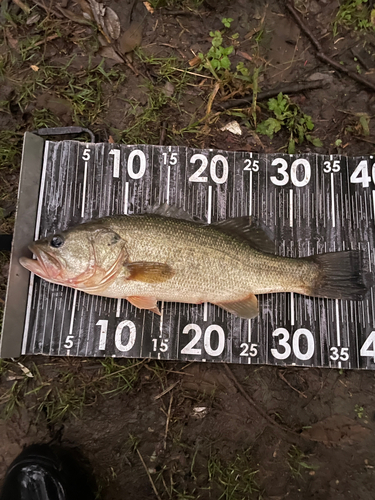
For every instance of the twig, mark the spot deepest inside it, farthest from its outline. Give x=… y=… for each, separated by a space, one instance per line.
x=290 y=385
x=168 y=420
x=166 y=390
x=212 y=98
x=163 y=133
x=261 y=412
x=49 y=10
x=167 y=12
x=149 y=475
x=23 y=6
x=322 y=56
x=289 y=88
x=364 y=140
x=194 y=74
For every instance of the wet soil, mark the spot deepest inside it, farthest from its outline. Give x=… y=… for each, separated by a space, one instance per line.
x=201 y=431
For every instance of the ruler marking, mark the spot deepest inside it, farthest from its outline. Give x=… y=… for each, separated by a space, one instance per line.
x=161 y=319
x=333 y=201
x=291 y=207
x=373 y=203
x=292 y=308
x=118 y=308
x=72 y=316
x=205 y=311
x=251 y=193
x=126 y=200
x=168 y=182
x=84 y=190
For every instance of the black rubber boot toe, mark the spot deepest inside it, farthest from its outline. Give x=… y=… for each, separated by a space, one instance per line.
x=42 y=472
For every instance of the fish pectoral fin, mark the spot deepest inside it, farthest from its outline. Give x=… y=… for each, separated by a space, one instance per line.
x=149 y=272
x=245 y=308
x=248 y=229
x=149 y=303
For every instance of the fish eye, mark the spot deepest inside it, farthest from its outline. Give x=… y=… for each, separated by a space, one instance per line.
x=57 y=241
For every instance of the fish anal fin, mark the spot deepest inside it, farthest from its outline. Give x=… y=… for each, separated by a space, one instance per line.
x=244 y=308
x=149 y=272
x=248 y=229
x=149 y=303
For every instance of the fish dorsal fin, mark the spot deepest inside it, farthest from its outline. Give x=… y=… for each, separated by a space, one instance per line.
x=245 y=308
x=149 y=272
x=247 y=229
x=175 y=212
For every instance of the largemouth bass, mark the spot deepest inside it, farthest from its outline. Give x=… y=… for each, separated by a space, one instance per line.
x=150 y=257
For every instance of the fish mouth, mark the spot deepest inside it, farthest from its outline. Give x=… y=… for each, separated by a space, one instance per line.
x=45 y=265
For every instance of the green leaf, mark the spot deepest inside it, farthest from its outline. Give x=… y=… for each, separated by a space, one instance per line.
x=217 y=39
x=309 y=123
x=227 y=21
x=269 y=127
x=225 y=62
x=364 y=121
x=228 y=50
x=291 y=146
x=315 y=141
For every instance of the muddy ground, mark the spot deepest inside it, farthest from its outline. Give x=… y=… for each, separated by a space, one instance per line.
x=169 y=430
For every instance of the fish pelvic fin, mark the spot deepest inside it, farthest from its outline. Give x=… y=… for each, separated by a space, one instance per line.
x=245 y=308
x=149 y=303
x=339 y=276
x=149 y=272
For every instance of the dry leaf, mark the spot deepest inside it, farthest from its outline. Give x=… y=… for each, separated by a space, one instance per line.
x=149 y=7
x=131 y=38
x=86 y=10
x=245 y=55
x=110 y=53
x=73 y=17
x=112 y=23
x=12 y=42
x=34 y=68
x=33 y=19
x=336 y=430
x=107 y=19
x=232 y=127
x=111 y=140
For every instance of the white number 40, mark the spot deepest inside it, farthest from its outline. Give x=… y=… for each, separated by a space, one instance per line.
x=361 y=174
x=368 y=348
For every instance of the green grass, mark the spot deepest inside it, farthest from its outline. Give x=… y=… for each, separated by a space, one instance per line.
x=61 y=390
x=353 y=14
x=298 y=462
x=235 y=479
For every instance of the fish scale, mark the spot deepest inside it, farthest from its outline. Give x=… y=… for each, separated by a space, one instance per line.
x=311 y=204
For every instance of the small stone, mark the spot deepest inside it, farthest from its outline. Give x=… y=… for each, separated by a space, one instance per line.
x=321 y=76
x=168 y=89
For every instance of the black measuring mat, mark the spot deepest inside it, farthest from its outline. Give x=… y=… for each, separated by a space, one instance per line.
x=311 y=204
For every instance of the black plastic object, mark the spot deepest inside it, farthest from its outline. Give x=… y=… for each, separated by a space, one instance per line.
x=6 y=242
x=43 y=472
x=64 y=131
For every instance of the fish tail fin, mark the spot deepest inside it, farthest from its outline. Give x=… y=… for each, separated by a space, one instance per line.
x=339 y=276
